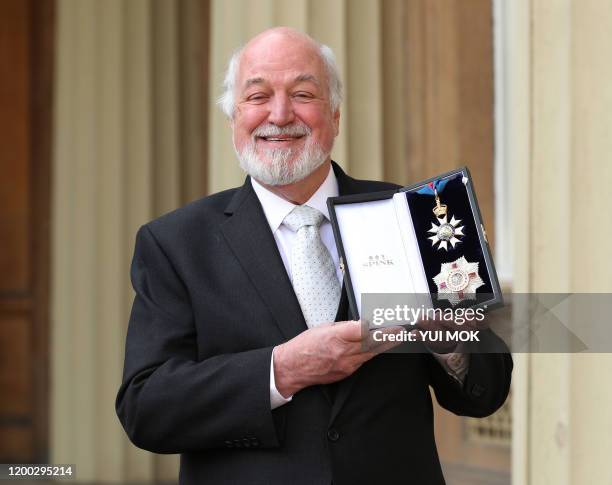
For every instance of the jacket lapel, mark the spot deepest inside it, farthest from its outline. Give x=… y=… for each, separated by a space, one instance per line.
x=248 y=234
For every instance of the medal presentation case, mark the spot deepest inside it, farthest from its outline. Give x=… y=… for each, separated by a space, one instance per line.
x=426 y=239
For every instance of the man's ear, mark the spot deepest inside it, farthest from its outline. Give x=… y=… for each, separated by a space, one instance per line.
x=336 y=118
x=231 y=119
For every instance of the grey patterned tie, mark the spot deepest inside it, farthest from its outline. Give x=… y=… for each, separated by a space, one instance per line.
x=312 y=268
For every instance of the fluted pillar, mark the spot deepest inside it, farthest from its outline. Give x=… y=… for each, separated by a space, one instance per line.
x=561 y=141
x=127 y=147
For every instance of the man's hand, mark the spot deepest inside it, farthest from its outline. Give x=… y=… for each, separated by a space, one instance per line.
x=320 y=355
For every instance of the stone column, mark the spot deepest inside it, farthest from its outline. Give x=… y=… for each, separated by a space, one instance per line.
x=120 y=158
x=561 y=128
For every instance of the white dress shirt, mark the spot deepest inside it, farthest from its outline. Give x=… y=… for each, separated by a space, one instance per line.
x=276 y=209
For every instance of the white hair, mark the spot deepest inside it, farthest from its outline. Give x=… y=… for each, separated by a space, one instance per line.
x=227 y=103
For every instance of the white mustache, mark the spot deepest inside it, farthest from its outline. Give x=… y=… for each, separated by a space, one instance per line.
x=268 y=130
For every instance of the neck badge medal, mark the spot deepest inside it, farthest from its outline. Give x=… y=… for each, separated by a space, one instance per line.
x=445 y=231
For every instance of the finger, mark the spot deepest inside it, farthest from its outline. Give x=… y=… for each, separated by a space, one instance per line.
x=349 y=331
x=354 y=348
x=382 y=347
x=382 y=343
x=360 y=358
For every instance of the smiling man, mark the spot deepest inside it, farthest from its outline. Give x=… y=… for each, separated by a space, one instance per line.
x=284 y=109
x=233 y=358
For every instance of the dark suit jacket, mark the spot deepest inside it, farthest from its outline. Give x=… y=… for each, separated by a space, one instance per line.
x=212 y=300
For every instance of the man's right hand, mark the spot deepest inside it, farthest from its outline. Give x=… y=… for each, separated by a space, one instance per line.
x=320 y=355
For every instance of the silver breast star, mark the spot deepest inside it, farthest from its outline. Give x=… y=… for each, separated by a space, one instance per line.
x=446 y=232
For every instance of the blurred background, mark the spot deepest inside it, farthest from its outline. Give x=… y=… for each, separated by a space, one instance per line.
x=108 y=119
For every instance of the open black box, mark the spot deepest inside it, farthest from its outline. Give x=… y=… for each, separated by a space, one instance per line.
x=384 y=240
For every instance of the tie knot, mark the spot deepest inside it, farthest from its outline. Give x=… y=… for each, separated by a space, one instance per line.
x=302 y=216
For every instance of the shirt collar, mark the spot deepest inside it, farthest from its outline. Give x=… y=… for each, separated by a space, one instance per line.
x=276 y=208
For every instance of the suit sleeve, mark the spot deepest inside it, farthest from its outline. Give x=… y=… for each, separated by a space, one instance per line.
x=171 y=402
x=486 y=385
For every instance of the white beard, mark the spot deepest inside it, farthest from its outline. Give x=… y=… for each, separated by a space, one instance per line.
x=278 y=171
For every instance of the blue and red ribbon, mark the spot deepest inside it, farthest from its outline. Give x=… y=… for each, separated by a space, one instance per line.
x=432 y=187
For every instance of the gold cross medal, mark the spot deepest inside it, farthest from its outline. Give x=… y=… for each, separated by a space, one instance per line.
x=445 y=231
x=458 y=281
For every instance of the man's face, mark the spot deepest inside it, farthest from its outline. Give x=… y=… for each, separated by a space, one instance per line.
x=283 y=115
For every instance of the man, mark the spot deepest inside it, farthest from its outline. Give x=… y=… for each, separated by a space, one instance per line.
x=231 y=356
